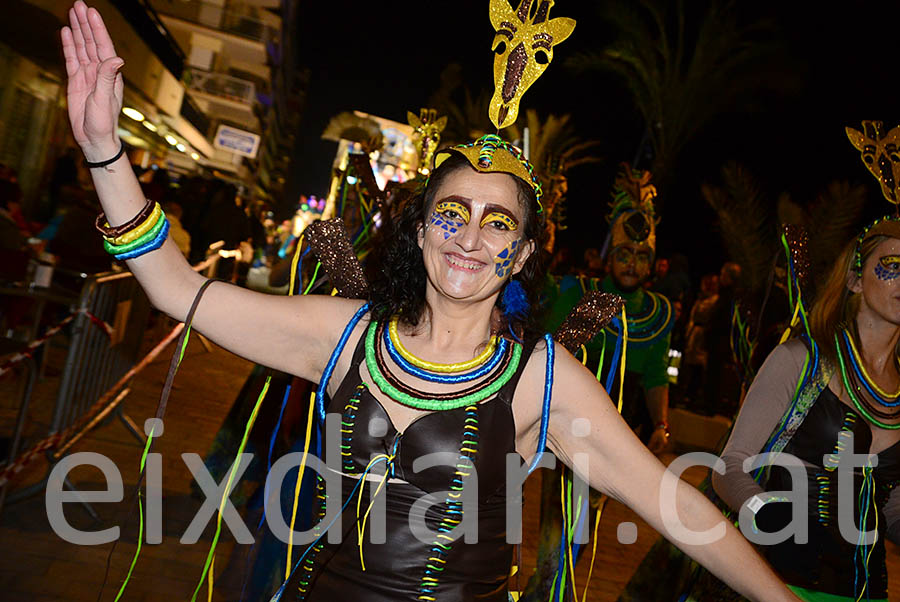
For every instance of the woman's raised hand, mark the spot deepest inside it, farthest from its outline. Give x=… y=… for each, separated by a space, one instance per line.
x=95 y=85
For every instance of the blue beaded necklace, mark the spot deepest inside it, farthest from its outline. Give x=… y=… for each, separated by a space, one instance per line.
x=435 y=377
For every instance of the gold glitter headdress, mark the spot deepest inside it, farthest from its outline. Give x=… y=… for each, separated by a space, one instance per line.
x=881 y=156
x=633 y=217
x=427 y=128
x=491 y=153
x=523 y=47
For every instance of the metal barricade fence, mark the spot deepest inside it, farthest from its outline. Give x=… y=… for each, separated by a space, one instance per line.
x=100 y=354
x=112 y=316
x=109 y=321
x=105 y=342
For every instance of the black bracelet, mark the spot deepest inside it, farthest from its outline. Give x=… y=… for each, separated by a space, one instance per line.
x=91 y=165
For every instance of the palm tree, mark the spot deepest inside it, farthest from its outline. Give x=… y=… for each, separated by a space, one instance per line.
x=680 y=82
x=832 y=219
x=750 y=223
x=554 y=148
x=467 y=116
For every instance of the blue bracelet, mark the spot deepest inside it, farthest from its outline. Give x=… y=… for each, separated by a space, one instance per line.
x=150 y=246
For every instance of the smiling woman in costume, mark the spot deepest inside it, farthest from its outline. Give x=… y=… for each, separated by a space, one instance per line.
x=834 y=390
x=444 y=362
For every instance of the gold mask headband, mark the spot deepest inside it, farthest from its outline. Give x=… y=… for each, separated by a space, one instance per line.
x=523 y=47
x=490 y=154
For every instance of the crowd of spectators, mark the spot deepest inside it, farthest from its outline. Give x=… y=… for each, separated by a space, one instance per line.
x=706 y=377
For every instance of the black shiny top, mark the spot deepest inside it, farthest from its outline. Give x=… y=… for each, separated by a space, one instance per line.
x=466 y=482
x=828 y=562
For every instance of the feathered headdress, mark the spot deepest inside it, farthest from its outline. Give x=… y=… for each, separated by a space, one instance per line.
x=632 y=215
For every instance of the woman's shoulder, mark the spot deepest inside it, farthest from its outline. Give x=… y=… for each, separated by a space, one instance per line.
x=549 y=362
x=332 y=315
x=336 y=309
x=795 y=349
x=786 y=359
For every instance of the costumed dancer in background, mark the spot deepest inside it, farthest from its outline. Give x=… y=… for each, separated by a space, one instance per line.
x=684 y=580
x=456 y=281
x=833 y=390
x=630 y=253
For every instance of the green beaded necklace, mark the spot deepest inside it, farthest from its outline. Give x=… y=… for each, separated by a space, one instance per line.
x=433 y=404
x=856 y=402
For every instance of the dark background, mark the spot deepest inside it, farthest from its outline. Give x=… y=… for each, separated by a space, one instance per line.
x=385 y=58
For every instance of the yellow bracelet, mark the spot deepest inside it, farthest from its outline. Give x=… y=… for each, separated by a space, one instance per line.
x=434 y=367
x=139 y=231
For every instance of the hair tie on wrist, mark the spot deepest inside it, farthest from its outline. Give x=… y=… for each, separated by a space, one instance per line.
x=92 y=165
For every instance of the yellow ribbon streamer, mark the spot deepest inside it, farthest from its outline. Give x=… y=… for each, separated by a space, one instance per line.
x=309 y=422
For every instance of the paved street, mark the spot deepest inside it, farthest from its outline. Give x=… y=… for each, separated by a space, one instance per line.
x=38 y=566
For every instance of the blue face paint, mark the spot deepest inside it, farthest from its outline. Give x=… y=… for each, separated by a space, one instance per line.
x=503 y=262
x=888 y=267
x=447 y=226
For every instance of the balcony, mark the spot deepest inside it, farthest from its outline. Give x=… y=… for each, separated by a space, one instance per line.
x=221 y=85
x=223 y=96
x=238 y=19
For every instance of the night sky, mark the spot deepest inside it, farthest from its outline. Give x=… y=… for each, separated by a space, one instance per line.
x=385 y=58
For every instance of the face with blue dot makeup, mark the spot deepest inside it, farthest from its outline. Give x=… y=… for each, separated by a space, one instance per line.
x=472 y=240
x=449 y=217
x=879 y=285
x=888 y=267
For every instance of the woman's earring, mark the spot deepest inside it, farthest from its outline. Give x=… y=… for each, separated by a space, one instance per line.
x=514 y=300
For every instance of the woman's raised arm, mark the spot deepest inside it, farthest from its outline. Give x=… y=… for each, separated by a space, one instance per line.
x=586 y=429
x=292 y=334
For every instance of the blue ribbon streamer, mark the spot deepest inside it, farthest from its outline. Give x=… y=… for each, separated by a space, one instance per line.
x=332 y=361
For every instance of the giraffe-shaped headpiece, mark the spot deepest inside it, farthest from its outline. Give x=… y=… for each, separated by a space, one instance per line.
x=880 y=152
x=881 y=156
x=523 y=47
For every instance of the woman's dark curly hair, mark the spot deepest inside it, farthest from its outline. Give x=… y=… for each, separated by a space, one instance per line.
x=396 y=270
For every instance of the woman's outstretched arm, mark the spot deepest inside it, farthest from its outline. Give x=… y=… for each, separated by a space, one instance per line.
x=588 y=434
x=294 y=335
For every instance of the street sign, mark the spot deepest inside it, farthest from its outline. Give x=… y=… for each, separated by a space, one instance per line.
x=237 y=141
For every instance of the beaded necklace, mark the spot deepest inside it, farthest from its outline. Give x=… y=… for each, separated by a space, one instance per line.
x=404 y=388
x=430 y=403
x=652 y=321
x=436 y=367
x=436 y=377
x=883 y=397
x=863 y=406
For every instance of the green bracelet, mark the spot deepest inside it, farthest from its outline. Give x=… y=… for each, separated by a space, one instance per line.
x=144 y=239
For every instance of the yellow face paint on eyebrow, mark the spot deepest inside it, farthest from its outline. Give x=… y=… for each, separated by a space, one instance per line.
x=888 y=267
x=496 y=216
x=459 y=208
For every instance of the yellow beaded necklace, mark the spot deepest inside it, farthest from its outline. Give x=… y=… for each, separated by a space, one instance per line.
x=435 y=367
x=868 y=378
